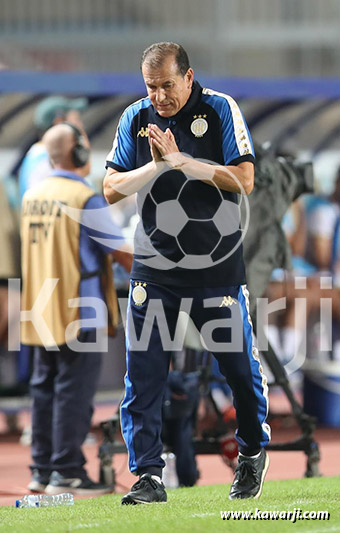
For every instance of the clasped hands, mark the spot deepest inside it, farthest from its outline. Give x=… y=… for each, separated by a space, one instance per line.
x=163 y=147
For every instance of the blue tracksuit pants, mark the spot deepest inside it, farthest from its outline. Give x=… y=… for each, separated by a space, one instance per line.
x=221 y=315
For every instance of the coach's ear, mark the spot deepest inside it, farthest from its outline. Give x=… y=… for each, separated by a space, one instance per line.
x=189 y=77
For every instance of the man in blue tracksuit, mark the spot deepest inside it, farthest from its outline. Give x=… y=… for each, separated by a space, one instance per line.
x=160 y=150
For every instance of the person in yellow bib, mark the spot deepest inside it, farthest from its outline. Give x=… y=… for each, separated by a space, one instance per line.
x=68 y=238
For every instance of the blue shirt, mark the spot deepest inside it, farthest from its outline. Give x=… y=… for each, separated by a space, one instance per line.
x=34 y=168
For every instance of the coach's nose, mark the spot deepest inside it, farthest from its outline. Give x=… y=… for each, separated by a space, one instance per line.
x=161 y=96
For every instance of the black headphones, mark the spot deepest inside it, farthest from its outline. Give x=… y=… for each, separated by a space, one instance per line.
x=80 y=152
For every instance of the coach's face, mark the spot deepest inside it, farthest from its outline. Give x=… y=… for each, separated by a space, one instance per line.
x=167 y=89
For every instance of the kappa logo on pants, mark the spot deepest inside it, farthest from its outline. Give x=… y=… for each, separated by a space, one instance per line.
x=228 y=301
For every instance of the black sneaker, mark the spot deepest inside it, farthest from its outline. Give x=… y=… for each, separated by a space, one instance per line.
x=249 y=476
x=39 y=481
x=59 y=484
x=145 y=490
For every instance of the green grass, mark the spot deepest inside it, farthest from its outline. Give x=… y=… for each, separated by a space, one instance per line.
x=187 y=510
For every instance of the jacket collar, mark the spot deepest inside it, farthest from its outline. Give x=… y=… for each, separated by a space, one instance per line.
x=194 y=98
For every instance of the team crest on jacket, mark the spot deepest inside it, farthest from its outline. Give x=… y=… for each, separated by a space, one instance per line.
x=139 y=293
x=199 y=126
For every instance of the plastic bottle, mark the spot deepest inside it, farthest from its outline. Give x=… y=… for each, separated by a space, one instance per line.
x=170 y=478
x=45 y=500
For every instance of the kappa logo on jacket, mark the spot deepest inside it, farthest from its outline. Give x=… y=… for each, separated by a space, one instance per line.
x=143 y=132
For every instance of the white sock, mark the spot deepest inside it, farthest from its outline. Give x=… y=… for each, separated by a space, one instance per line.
x=250 y=456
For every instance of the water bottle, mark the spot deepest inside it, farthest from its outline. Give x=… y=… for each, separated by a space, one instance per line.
x=45 y=500
x=170 y=478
